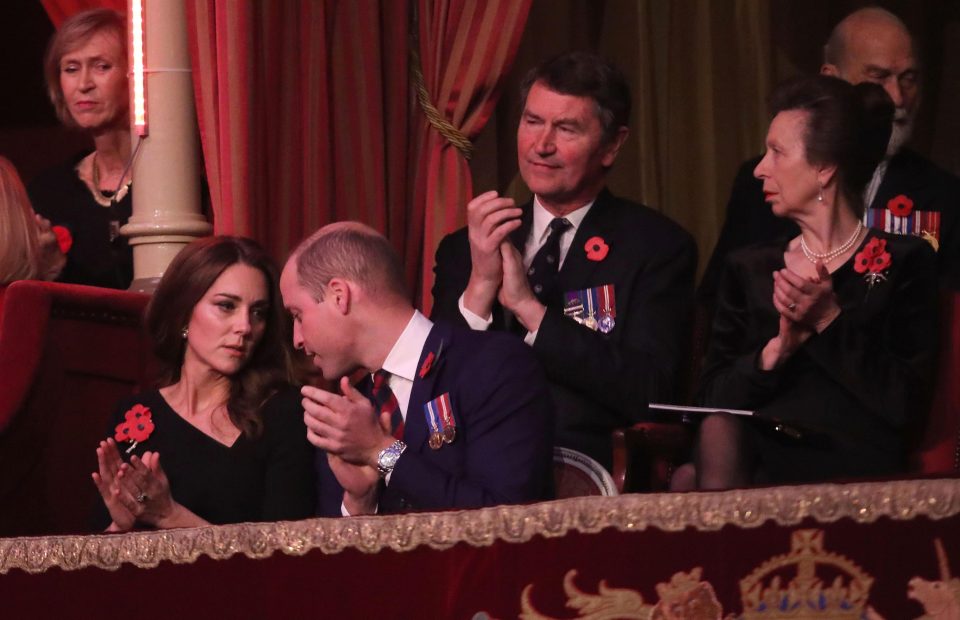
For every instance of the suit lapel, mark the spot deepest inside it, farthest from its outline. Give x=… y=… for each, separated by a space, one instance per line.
x=577 y=268
x=897 y=178
x=415 y=432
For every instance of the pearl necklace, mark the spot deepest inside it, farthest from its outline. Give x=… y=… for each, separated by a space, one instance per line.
x=98 y=196
x=826 y=257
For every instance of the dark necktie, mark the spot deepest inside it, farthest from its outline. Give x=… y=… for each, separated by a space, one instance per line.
x=542 y=273
x=386 y=401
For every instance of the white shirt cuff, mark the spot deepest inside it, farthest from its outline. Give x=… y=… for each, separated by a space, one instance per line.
x=345 y=513
x=530 y=337
x=475 y=321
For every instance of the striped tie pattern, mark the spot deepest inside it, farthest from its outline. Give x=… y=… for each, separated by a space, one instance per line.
x=386 y=401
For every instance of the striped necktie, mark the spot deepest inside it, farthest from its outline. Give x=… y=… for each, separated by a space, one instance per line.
x=386 y=401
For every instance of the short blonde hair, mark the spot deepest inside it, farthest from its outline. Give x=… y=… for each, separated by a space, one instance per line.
x=19 y=246
x=353 y=251
x=74 y=33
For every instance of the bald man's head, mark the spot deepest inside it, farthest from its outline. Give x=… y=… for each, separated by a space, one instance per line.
x=873 y=45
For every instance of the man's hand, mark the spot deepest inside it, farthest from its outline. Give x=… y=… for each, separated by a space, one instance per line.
x=490 y=219
x=359 y=484
x=346 y=426
x=515 y=294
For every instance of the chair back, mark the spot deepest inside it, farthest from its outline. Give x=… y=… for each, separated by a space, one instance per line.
x=68 y=353
x=576 y=474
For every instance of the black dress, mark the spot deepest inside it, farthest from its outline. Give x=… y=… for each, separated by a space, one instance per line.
x=100 y=256
x=270 y=478
x=856 y=390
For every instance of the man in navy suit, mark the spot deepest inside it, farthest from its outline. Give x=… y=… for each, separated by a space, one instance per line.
x=869 y=45
x=462 y=419
x=599 y=287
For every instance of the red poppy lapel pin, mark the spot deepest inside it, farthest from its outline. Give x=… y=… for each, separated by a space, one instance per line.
x=64 y=238
x=430 y=362
x=900 y=206
x=872 y=261
x=136 y=427
x=596 y=248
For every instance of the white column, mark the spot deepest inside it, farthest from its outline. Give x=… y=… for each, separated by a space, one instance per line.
x=166 y=171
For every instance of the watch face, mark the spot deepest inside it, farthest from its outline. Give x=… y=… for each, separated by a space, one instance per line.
x=388 y=458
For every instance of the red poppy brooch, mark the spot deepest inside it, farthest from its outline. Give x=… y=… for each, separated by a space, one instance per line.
x=596 y=248
x=900 y=206
x=64 y=238
x=136 y=426
x=872 y=261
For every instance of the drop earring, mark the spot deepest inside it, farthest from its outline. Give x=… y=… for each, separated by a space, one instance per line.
x=820 y=195
x=185 y=332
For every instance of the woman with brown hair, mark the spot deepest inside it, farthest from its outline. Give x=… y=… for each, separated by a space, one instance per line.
x=86 y=74
x=226 y=422
x=830 y=335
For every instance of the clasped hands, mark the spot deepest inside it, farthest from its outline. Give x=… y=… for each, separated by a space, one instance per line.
x=806 y=306
x=134 y=491
x=498 y=272
x=352 y=434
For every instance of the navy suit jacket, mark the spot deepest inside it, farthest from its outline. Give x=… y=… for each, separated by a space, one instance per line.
x=503 y=451
x=601 y=381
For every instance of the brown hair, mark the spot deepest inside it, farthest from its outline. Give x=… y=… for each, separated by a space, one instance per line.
x=19 y=245
x=74 y=33
x=847 y=126
x=352 y=251
x=187 y=279
x=582 y=74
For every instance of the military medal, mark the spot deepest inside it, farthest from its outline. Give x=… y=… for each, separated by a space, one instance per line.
x=590 y=316
x=446 y=418
x=436 y=438
x=443 y=426
x=608 y=310
x=573 y=307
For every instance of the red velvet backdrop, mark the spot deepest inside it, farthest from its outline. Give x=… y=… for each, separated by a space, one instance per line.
x=59 y=10
x=307 y=114
x=466 y=50
x=307 y=117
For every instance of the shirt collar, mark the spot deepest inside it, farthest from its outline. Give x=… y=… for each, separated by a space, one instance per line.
x=405 y=355
x=542 y=219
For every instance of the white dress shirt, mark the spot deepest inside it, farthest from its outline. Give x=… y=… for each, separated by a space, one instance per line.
x=401 y=363
x=539 y=231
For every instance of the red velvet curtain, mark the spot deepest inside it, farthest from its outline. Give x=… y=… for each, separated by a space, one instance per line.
x=59 y=10
x=306 y=114
x=303 y=110
x=466 y=50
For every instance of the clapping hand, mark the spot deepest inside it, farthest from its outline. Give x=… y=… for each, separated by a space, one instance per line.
x=490 y=219
x=810 y=302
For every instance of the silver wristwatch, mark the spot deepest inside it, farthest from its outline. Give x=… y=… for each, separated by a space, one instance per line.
x=387 y=459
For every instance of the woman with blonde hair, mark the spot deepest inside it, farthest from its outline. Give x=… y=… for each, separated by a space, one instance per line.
x=86 y=74
x=27 y=244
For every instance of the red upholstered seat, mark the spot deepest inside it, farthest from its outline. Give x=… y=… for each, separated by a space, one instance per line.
x=938 y=449
x=67 y=354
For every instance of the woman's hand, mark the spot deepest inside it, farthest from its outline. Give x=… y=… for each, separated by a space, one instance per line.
x=808 y=301
x=52 y=260
x=145 y=491
x=109 y=465
x=782 y=346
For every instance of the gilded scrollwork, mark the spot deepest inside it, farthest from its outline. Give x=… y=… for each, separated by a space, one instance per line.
x=749 y=508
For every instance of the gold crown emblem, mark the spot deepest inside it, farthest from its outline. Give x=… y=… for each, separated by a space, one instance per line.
x=805 y=595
